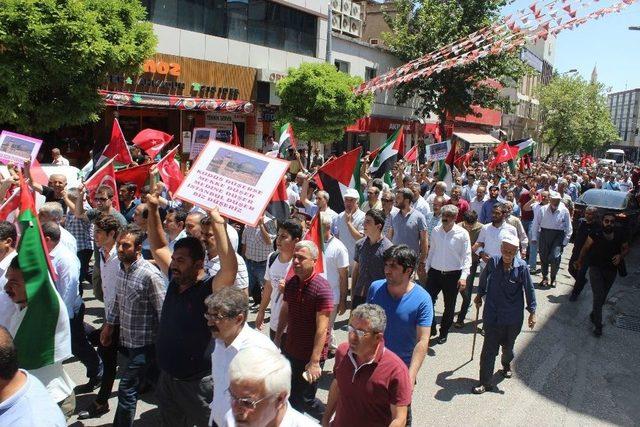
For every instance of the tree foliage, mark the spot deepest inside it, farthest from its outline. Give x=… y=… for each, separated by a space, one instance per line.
x=575 y=115
x=55 y=53
x=422 y=26
x=319 y=101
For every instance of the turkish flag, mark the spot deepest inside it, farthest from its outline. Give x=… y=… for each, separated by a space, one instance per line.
x=104 y=176
x=152 y=141
x=464 y=159
x=37 y=173
x=117 y=148
x=170 y=171
x=137 y=174
x=412 y=155
x=504 y=153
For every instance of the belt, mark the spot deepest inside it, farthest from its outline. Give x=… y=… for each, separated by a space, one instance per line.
x=445 y=272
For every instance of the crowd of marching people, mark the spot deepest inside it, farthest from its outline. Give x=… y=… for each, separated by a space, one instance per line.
x=178 y=283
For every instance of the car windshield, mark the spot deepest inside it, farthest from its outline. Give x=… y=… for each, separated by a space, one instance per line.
x=605 y=198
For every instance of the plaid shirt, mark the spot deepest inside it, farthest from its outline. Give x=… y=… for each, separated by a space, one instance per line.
x=81 y=230
x=138 y=303
x=255 y=248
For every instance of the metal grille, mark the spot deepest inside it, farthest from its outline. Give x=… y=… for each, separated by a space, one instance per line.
x=624 y=321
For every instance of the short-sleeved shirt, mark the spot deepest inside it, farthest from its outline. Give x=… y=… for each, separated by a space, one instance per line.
x=602 y=250
x=407 y=229
x=128 y=211
x=274 y=273
x=31 y=405
x=340 y=229
x=183 y=335
x=404 y=315
x=336 y=257
x=50 y=196
x=370 y=263
x=368 y=390
x=93 y=214
x=305 y=299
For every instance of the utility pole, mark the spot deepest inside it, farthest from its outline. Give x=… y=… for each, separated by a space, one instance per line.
x=329 y=31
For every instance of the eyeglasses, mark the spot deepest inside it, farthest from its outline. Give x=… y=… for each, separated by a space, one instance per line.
x=359 y=332
x=216 y=317
x=245 y=402
x=387 y=200
x=102 y=199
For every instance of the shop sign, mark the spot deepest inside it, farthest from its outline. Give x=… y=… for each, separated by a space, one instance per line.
x=161 y=67
x=267 y=115
x=125 y=99
x=271 y=76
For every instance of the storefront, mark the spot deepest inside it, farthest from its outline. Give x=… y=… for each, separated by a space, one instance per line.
x=371 y=132
x=176 y=94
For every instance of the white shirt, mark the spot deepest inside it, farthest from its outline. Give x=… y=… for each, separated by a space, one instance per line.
x=60 y=161
x=335 y=257
x=220 y=360
x=7 y=307
x=274 y=273
x=469 y=192
x=449 y=251
x=421 y=205
x=340 y=230
x=492 y=237
x=68 y=240
x=67 y=267
x=476 y=205
x=109 y=269
x=292 y=196
x=432 y=196
x=212 y=266
x=182 y=235
x=292 y=418
x=522 y=235
x=233 y=237
x=559 y=219
x=56 y=380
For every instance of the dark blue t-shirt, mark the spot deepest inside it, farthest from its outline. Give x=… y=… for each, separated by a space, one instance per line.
x=404 y=315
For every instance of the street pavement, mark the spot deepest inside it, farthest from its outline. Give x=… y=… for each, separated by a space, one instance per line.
x=563 y=375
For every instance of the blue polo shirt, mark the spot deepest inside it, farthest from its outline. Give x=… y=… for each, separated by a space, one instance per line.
x=404 y=315
x=505 y=292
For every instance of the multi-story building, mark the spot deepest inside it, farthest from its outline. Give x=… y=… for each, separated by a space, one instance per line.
x=522 y=120
x=624 y=108
x=216 y=66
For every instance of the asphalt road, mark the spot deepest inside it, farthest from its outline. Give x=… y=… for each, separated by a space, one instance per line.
x=562 y=374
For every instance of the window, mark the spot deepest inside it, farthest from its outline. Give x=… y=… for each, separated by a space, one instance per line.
x=342 y=66
x=369 y=73
x=260 y=22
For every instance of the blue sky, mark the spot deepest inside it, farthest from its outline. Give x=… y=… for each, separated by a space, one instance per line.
x=606 y=42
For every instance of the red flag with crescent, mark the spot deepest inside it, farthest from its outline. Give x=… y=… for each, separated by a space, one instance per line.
x=106 y=175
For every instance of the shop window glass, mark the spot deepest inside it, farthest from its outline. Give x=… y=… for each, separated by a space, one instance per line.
x=191 y=15
x=215 y=18
x=237 y=19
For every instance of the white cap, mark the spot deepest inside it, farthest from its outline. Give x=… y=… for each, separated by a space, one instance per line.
x=510 y=239
x=351 y=193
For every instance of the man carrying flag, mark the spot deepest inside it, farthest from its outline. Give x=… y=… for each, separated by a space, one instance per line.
x=40 y=326
x=287 y=139
x=387 y=156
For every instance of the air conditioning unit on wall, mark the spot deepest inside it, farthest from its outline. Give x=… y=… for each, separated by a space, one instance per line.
x=336 y=22
x=356 y=27
x=346 y=7
x=336 y=5
x=356 y=9
x=346 y=24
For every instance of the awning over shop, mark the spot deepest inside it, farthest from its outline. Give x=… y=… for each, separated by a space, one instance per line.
x=476 y=137
x=147 y=100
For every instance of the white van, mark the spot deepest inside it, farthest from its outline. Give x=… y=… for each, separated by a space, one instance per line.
x=612 y=156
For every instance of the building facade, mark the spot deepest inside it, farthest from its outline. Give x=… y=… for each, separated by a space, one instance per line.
x=624 y=108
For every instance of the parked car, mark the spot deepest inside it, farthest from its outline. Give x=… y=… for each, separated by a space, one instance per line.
x=623 y=204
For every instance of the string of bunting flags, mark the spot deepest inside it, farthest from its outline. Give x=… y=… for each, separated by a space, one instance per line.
x=532 y=24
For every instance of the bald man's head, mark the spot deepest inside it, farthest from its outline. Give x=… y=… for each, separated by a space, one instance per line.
x=8 y=356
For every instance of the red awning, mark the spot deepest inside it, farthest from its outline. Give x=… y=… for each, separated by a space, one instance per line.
x=482 y=116
x=380 y=125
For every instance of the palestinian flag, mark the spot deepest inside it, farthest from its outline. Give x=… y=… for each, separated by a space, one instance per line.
x=316 y=235
x=525 y=146
x=287 y=139
x=338 y=175
x=43 y=335
x=445 y=167
x=279 y=207
x=387 y=155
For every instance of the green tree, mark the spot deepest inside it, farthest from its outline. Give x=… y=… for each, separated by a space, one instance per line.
x=319 y=102
x=55 y=53
x=575 y=115
x=422 y=26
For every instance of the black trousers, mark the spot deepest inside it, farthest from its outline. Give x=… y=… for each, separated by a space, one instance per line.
x=601 y=281
x=303 y=395
x=447 y=283
x=494 y=337
x=109 y=356
x=357 y=300
x=468 y=291
x=84 y=255
x=81 y=348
